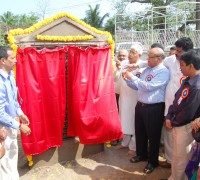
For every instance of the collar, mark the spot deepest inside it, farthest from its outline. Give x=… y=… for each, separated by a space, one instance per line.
x=4 y=74
x=156 y=67
x=193 y=80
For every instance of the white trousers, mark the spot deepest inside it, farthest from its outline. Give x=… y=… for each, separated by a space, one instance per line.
x=8 y=165
x=182 y=143
x=129 y=141
x=168 y=144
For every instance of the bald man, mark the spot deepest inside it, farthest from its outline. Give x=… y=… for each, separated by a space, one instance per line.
x=149 y=111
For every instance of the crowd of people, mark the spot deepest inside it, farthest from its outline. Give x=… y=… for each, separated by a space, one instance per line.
x=164 y=95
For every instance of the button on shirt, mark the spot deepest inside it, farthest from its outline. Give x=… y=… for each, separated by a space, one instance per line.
x=186 y=105
x=151 y=85
x=9 y=106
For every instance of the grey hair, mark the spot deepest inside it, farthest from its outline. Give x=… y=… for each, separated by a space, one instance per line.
x=137 y=47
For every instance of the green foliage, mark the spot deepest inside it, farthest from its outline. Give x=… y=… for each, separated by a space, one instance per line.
x=8 y=19
x=110 y=26
x=120 y=6
x=160 y=16
x=93 y=17
x=24 y=20
x=3 y=41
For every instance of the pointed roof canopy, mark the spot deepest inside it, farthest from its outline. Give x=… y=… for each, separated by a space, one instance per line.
x=61 y=29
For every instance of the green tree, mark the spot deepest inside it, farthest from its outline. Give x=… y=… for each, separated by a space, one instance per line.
x=25 y=20
x=8 y=19
x=120 y=6
x=3 y=41
x=159 y=19
x=110 y=26
x=93 y=17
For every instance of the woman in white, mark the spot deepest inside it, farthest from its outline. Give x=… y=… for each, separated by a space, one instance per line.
x=128 y=98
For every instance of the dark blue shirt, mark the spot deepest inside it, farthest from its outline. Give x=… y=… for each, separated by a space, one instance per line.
x=186 y=105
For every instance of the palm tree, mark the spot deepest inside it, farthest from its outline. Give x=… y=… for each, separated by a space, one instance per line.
x=24 y=20
x=8 y=19
x=93 y=17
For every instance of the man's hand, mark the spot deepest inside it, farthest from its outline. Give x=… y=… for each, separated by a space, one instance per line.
x=196 y=124
x=25 y=129
x=24 y=119
x=168 y=124
x=127 y=75
x=118 y=64
x=131 y=67
x=3 y=134
x=2 y=149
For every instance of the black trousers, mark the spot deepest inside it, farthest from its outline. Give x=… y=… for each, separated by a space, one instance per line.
x=149 y=120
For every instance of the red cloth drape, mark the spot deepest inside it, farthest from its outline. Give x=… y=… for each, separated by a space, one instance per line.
x=41 y=81
x=92 y=109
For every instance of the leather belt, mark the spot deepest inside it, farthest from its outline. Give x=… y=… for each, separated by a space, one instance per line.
x=145 y=105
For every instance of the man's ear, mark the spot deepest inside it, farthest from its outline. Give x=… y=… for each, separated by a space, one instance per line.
x=2 y=60
x=191 y=66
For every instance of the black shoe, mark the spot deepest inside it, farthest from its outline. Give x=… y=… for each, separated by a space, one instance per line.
x=149 y=168
x=137 y=159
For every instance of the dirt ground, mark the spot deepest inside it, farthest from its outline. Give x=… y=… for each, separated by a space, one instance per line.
x=112 y=164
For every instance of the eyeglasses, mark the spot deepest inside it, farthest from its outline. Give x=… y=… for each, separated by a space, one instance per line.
x=153 y=56
x=162 y=56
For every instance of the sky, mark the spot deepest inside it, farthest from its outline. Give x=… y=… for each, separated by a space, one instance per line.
x=76 y=8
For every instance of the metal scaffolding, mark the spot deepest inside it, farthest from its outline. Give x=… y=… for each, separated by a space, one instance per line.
x=163 y=25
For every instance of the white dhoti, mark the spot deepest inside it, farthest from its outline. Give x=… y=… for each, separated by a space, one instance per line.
x=129 y=141
x=127 y=103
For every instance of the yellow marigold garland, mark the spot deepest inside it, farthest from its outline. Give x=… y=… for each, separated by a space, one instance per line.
x=46 y=21
x=64 y=38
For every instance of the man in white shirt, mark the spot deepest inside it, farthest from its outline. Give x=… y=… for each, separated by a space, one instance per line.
x=176 y=77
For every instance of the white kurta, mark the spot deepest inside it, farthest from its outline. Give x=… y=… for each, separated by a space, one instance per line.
x=116 y=80
x=176 y=77
x=127 y=102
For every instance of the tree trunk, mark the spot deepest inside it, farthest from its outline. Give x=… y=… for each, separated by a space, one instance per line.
x=198 y=15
